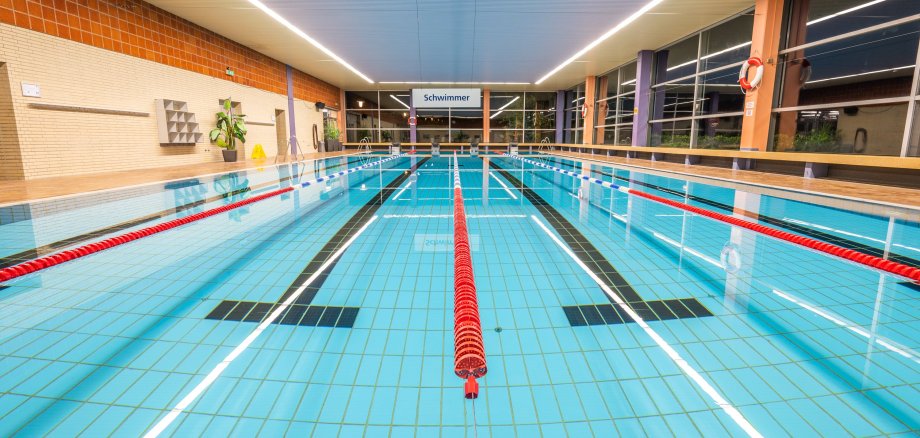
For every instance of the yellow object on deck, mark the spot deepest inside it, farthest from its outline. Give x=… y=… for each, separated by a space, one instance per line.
x=257 y=152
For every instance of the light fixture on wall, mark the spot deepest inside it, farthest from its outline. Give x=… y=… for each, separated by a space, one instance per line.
x=360 y=103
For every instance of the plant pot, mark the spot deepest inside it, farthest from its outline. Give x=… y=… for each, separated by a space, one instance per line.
x=229 y=156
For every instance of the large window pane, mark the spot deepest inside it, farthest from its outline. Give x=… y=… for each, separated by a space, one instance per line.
x=432 y=119
x=913 y=149
x=624 y=136
x=390 y=135
x=540 y=120
x=394 y=119
x=427 y=135
x=719 y=93
x=674 y=100
x=719 y=133
x=465 y=135
x=361 y=120
x=680 y=59
x=506 y=120
x=867 y=129
x=460 y=119
x=827 y=18
x=727 y=43
x=536 y=136
x=356 y=135
x=539 y=101
x=505 y=136
x=628 y=78
x=361 y=100
x=871 y=66
x=505 y=100
x=674 y=134
x=395 y=100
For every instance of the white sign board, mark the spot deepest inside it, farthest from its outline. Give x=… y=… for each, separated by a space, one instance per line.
x=31 y=90
x=447 y=97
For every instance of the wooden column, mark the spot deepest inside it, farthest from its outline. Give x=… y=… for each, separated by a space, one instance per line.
x=485 y=115
x=755 y=128
x=590 y=92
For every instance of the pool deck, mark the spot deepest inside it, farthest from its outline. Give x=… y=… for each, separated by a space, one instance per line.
x=44 y=188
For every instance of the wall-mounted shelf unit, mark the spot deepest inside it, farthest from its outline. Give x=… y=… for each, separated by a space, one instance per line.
x=176 y=125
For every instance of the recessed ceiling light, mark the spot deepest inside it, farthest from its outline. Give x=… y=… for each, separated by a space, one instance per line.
x=309 y=39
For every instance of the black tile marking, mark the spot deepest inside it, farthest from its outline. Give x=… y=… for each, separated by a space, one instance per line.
x=910 y=285
x=240 y=311
x=803 y=230
x=573 y=313
x=296 y=314
x=301 y=312
x=598 y=264
x=612 y=314
x=347 y=319
x=31 y=254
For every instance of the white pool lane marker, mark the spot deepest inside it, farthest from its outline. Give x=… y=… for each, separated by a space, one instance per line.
x=504 y=186
x=216 y=372
x=670 y=351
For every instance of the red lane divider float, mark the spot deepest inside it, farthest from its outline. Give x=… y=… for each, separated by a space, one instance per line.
x=849 y=254
x=469 y=353
x=903 y=270
x=85 y=250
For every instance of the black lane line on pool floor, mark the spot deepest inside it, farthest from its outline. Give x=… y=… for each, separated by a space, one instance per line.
x=810 y=232
x=301 y=312
x=30 y=254
x=658 y=310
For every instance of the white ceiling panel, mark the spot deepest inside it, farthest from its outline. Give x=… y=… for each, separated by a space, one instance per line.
x=453 y=40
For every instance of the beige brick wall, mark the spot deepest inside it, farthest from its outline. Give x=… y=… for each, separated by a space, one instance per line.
x=59 y=143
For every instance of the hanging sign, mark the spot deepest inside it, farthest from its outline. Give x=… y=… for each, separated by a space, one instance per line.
x=447 y=97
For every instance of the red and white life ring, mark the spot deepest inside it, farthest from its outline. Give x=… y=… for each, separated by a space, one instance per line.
x=584 y=111
x=758 y=75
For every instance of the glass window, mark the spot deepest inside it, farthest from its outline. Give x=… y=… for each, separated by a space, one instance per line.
x=395 y=100
x=499 y=100
x=674 y=100
x=624 y=136
x=400 y=135
x=728 y=43
x=628 y=78
x=462 y=119
x=913 y=142
x=361 y=100
x=536 y=135
x=361 y=120
x=427 y=135
x=394 y=119
x=828 y=18
x=719 y=132
x=507 y=120
x=432 y=119
x=875 y=65
x=465 y=135
x=540 y=120
x=539 y=101
x=674 y=134
x=719 y=93
x=680 y=60
x=866 y=129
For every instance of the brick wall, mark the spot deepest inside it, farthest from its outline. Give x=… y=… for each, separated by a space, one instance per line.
x=73 y=74
x=141 y=30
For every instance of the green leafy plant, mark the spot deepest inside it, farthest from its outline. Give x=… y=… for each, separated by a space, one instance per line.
x=230 y=128
x=824 y=138
x=332 y=131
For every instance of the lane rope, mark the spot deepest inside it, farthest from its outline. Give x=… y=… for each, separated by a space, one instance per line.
x=58 y=258
x=469 y=352
x=871 y=261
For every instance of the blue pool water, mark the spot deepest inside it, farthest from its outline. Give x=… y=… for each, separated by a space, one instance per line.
x=744 y=334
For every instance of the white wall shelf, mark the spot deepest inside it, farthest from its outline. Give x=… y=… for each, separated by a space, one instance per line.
x=176 y=125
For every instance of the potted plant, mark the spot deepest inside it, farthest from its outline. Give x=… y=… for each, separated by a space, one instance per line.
x=230 y=128
x=332 y=136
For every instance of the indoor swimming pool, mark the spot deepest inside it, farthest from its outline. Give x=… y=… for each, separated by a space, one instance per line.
x=176 y=334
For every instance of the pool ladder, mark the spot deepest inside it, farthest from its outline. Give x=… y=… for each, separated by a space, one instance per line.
x=364 y=146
